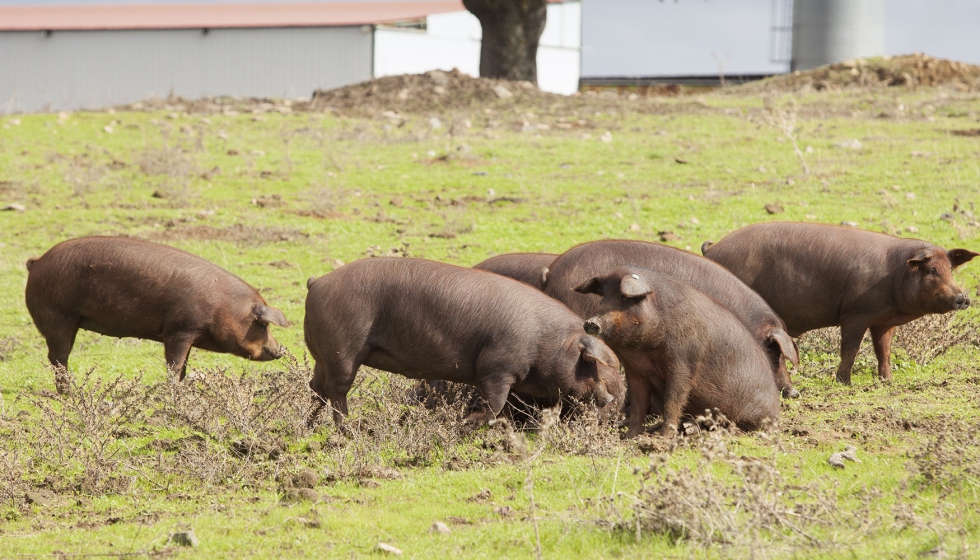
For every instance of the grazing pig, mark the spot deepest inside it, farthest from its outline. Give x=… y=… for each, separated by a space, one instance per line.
x=125 y=287
x=817 y=275
x=580 y=263
x=430 y=320
x=529 y=268
x=682 y=348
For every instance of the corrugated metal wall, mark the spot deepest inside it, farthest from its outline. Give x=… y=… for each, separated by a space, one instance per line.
x=830 y=31
x=89 y=69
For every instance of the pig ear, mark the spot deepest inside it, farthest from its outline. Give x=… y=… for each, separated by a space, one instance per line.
x=786 y=345
x=961 y=256
x=633 y=286
x=544 y=277
x=591 y=286
x=920 y=258
x=595 y=351
x=265 y=314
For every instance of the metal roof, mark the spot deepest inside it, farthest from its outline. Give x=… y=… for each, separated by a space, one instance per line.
x=184 y=16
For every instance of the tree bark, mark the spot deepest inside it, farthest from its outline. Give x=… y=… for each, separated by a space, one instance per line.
x=511 y=30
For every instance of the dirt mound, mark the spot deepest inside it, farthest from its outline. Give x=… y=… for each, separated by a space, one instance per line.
x=422 y=93
x=906 y=70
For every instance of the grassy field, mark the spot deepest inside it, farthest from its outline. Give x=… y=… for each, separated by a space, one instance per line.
x=130 y=457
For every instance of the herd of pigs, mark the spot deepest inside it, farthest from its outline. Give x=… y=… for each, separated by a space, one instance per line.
x=691 y=332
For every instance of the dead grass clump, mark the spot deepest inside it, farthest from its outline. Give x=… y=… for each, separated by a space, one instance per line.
x=386 y=426
x=240 y=407
x=750 y=505
x=7 y=347
x=77 y=433
x=175 y=168
x=932 y=336
x=14 y=462
x=950 y=456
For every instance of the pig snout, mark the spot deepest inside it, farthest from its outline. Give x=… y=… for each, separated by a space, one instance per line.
x=601 y=396
x=593 y=327
x=961 y=302
x=272 y=350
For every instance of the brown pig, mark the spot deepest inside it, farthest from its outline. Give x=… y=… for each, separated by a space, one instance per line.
x=582 y=262
x=430 y=320
x=125 y=287
x=682 y=351
x=530 y=268
x=817 y=275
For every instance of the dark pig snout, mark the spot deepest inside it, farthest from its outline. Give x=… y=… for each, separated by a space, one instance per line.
x=593 y=327
x=961 y=302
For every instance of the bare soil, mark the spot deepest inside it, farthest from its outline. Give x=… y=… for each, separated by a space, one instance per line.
x=887 y=71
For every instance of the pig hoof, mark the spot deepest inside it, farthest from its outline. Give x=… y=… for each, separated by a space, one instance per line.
x=668 y=431
x=790 y=393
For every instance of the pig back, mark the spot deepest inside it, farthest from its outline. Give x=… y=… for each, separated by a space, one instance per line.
x=811 y=273
x=599 y=257
x=524 y=267
x=421 y=317
x=128 y=287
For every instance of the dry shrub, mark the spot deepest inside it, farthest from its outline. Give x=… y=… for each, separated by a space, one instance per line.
x=83 y=178
x=932 y=336
x=750 y=505
x=77 y=432
x=226 y=406
x=174 y=167
x=14 y=460
x=386 y=425
x=7 y=347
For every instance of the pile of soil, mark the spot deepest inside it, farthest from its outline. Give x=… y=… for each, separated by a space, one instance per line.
x=423 y=93
x=906 y=70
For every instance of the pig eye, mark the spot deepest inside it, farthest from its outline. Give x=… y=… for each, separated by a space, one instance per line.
x=933 y=272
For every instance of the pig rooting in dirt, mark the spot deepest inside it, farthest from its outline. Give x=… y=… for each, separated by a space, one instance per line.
x=125 y=287
x=429 y=320
x=683 y=352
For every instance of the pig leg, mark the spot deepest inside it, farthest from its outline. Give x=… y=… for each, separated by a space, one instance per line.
x=176 y=351
x=881 y=338
x=638 y=391
x=851 y=335
x=676 y=393
x=319 y=392
x=60 y=342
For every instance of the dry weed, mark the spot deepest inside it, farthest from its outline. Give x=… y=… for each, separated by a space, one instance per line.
x=77 y=433
x=933 y=335
x=949 y=457
x=751 y=506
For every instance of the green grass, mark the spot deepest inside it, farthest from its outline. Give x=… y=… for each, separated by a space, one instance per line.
x=345 y=185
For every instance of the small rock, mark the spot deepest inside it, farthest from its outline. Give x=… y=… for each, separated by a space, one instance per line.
x=853 y=144
x=439 y=90
x=680 y=160
x=910 y=196
x=502 y=92
x=435 y=123
x=634 y=227
x=159 y=194
x=762 y=169
x=837 y=459
x=300 y=495
x=666 y=236
x=774 y=208
x=849 y=223
x=259 y=153
x=440 y=527
x=14 y=206
x=695 y=221
x=946 y=216
x=896 y=188
x=38 y=497
x=912 y=229
x=404 y=94
x=606 y=137
x=504 y=511
x=387 y=548
x=184 y=538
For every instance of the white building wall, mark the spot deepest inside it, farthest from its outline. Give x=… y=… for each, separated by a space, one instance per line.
x=90 y=69
x=453 y=41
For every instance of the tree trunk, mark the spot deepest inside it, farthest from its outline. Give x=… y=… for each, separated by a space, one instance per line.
x=511 y=30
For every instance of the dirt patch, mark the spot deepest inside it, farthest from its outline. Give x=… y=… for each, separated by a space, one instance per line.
x=238 y=233
x=887 y=71
x=421 y=93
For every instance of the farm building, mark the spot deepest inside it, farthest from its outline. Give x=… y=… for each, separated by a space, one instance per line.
x=88 y=56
